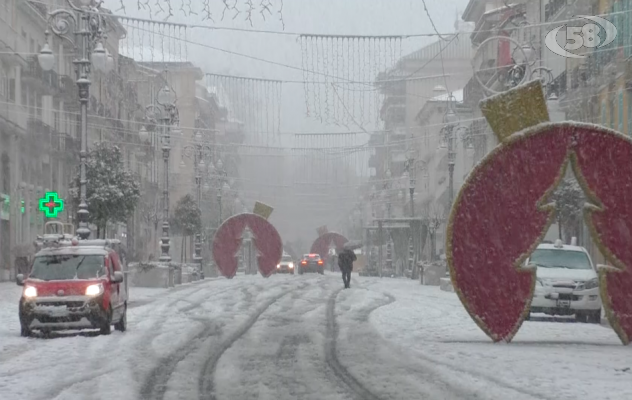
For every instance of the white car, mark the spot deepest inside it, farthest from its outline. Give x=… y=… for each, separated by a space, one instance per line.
x=567 y=282
x=286 y=266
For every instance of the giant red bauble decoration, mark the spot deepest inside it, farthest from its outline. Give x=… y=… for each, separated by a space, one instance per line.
x=501 y=215
x=321 y=245
x=228 y=240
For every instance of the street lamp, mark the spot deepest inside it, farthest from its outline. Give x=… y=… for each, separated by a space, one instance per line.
x=165 y=115
x=222 y=185
x=88 y=29
x=451 y=121
x=197 y=152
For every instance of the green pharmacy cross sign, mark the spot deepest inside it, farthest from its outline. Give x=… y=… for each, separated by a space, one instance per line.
x=51 y=204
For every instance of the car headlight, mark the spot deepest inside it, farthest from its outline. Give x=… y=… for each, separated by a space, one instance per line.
x=30 y=292
x=291 y=265
x=591 y=284
x=94 y=290
x=278 y=266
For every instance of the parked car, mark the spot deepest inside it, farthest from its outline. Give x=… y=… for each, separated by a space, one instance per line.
x=286 y=266
x=311 y=263
x=567 y=282
x=73 y=285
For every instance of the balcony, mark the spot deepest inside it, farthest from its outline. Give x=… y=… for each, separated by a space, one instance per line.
x=376 y=139
x=68 y=92
x=34 y=75
x=374 y=161
x=39 y=130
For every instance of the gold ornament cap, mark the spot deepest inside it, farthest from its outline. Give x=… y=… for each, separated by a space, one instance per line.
x=516 y=109
x=262 y=210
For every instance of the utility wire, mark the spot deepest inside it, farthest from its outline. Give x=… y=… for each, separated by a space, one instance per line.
x=298 y=34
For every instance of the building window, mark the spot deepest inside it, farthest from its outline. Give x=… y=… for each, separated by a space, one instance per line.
x=6 y=174
x=23 y=93
x=612 y=107
x=3 y=83
x=11 y=89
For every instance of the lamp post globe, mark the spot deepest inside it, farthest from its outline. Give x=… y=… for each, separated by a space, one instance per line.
x=166 y=96
x=46 y=58
x=99 y=58
x=109 y=64
x=450 y=117
x=143 y=134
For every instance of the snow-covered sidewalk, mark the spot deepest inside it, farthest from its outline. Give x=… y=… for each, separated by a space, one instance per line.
x=546 y=360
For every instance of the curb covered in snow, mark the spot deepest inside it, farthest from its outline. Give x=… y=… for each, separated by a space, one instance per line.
x=446 y=285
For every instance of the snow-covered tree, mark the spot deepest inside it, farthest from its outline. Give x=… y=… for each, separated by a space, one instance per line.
x=150 y=209
x=186 y=219
x=112 y=192
x=569 y=200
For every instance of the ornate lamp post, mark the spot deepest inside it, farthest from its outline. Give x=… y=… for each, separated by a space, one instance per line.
x=387 y=187
x=165 y=115
x=198 y=152
x=88 y=29
x=450 y=120
x=222 y=186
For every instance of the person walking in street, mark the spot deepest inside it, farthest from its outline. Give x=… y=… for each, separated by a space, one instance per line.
x=345 y=261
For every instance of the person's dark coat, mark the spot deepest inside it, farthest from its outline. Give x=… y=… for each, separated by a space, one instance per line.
x=346 y=259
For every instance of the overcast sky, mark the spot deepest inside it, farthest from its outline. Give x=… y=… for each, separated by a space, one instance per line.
x=341 y=17
x=351 y=17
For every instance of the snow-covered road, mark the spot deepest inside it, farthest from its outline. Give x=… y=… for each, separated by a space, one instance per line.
x=302 y=337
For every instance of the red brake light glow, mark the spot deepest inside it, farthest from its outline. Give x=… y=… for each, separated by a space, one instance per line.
x=303 y=262
x=320 y=262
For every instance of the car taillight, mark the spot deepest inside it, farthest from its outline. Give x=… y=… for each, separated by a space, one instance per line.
x=320 y=262
x=303 y=262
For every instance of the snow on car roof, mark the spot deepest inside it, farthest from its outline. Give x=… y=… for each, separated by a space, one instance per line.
x=77 y=250
x=567 y=247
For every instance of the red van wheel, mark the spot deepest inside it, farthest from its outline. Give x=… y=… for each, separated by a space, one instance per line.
x=106 y=329
x=121 y=325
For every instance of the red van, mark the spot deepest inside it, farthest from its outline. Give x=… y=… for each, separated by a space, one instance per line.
x=73 y=285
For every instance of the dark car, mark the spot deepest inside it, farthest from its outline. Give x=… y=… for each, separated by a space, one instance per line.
x=311 y=263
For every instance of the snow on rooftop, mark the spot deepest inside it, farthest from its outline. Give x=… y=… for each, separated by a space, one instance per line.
x=458 y=95
x=498 y=9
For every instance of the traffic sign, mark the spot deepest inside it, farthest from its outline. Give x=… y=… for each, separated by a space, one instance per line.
x=51 y=204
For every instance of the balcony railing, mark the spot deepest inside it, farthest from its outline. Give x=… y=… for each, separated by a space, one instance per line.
x=554 y=6
x=33 y=71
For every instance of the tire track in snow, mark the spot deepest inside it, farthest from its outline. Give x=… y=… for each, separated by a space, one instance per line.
x=155 y=385
x=206 y=381
x=331 y=356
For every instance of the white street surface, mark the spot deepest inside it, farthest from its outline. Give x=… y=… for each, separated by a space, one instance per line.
x=302 y=337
